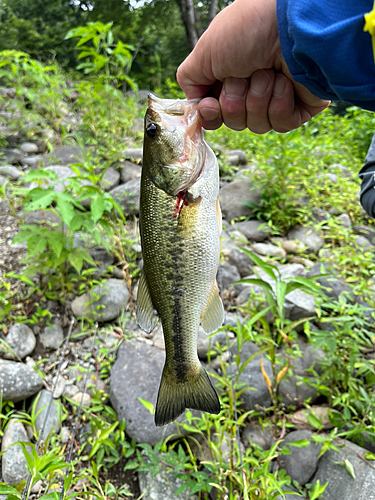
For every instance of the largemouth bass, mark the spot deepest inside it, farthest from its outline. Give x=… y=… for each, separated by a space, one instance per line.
x=180 y=222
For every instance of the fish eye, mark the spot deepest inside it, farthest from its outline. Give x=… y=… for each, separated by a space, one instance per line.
x=152 y=131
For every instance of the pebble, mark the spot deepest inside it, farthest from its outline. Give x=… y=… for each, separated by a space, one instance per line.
x=21 y=340
x=52 y=336
x=29 y=147
x=77 y=398
x=269 y=250
x=53 y=423
x=14 y=465
x=308 y=236
x=18 y=381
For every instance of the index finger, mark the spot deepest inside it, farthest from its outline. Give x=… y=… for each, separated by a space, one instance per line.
x=194 y=76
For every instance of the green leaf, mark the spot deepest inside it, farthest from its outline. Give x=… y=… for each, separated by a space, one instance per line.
x=149 y=406
x=369 y=456
x=65 y=208
x=97 y=207
x=75 y=258
x=302 y=443
x=349 y=468
x=271 y=271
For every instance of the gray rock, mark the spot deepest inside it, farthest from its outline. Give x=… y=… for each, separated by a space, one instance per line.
x=362 y=243
x=367 y=232
x=11 y=155
x=342 y=171
x=21 y=340
x=3 y=180
x=291 y=389
x=10 y=172
x=136 y=374
x=133 y=154
x=300 y=418
x=341 y=485
x=302 y=463
x=270 y=250
x=41 y=217
x=52 y=336
x=233 y=194
x=137 y=125
x=328 y=177
x=14 y=464
x=320 y=215
x=230 y=319
x=252 y=377
x=104 y=302
x=64 y=155
x=254 y=230
x=18 y=381
x=333 y=285
x=31 y=161
x=207 y=343
x=101 y=258
x=53 y=423
x=308 y=236
x=63 y=173
x=344 y=221
x=254 y=434
x=110 y=179
x=162 y=486
x=237 y=258
x=127 y=195
x=129 y=171
x=226 y=276
x=292 y=246
x=241 y=155
x=29 y=147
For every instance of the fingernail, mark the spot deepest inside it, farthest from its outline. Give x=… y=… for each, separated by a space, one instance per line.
x=209 y=114
x=259 y=83
x=280 y=85
x=235 y=88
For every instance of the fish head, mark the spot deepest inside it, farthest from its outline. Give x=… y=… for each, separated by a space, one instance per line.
x=174 y=149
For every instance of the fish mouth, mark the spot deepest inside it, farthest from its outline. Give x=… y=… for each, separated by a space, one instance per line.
x=192 y=156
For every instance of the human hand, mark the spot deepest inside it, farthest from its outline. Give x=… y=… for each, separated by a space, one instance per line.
x=238 y=63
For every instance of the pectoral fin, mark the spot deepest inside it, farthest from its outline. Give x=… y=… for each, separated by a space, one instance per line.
x=213 y=316
x=147 y=319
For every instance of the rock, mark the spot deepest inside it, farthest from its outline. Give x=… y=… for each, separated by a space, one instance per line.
x=3 y=180
x=137 y=125
x=293 y=495
x=86 y=400
x=21 y=340
x=64 y=155
x=344 y=221
x=366 y=231
x=341 y=485
x=308 y=236
x=302 y=463
x=104 y=302
x=62 y=173
x=127 y=195
x=333 y=285
x=53 y=423
x=133 y=154
x=11 y=172
x=18 y=381
x=41 y=217
x=328 y=177
x=292 y=246
x=52 y=336
x=254 y=434
x=14 y=464
x=110 y=178
x=29 y=147
x=254 y=230
x=11 y=155
x=320 y=215
x=301 y=260
x=230 y=319
x=226 y=276
x=31 y=161
x=233 y=194
x=300 y=418
x=129 y=171
x=241 y=155
x=136 y=374
x=291 y=389
x=101 y=258
x=362 y=243
x=162 y=486
x=269 y=250
x=60 y=386
x=252 y=377
x=237 y=258
x=207 y=343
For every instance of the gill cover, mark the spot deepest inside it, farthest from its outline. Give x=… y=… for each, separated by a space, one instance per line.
x=174 y=148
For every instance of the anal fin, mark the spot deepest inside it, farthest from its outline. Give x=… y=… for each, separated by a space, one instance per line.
x=147 y=318
x=213 y=316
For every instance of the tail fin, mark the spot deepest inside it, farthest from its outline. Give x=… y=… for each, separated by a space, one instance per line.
x=174 y=397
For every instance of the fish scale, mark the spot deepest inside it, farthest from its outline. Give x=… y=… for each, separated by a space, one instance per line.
x=181 y=256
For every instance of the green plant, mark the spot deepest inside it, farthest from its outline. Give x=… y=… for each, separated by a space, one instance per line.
x=111 y=61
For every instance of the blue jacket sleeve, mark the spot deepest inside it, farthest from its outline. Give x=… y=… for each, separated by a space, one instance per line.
x=326 y=49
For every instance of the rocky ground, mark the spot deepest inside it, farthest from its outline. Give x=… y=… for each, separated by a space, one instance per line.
x=31 y=352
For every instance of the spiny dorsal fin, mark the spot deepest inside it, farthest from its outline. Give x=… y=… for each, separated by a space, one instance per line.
x=146 y=317
x=213 y=316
